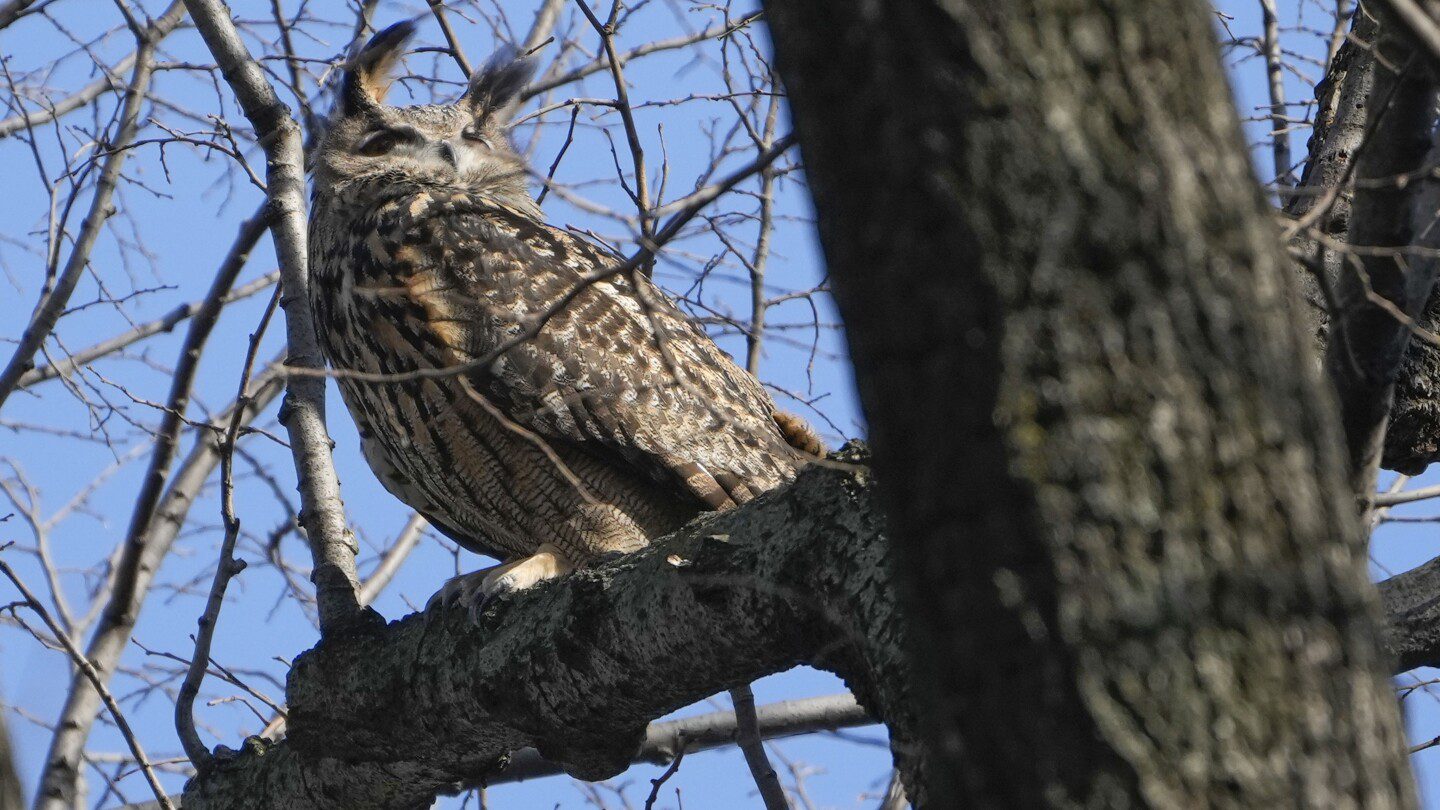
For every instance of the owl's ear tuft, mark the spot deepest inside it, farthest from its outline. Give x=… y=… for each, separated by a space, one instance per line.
x=368 y=74
x=494 y=91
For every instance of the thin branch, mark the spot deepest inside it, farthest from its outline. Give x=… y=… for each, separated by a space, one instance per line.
x=389 y=565
x=576 y=74
x=84 y=665
x=545 y=18
x=659 y=781
x=27 y=119
x=227 y=567
x=646 y=217
x=1274 y=70
x=437 y=8
x=129 y=584
x=53 y=300
x=165 y=323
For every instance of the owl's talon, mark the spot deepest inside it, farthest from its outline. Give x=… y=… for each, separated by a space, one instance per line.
x=477 y=589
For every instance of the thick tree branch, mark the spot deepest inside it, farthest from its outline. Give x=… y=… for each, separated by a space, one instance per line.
x=390 y=716
x=1367 y=340
x=303 y=413
x=1412 y=612
x=703 y=732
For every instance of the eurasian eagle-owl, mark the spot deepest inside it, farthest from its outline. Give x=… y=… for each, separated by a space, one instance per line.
x=614 y=424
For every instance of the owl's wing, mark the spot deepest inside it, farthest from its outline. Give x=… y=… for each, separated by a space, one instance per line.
x=618 y=370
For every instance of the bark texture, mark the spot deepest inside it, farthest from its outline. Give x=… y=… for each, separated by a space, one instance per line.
x=1379 y=287
x=390 y=716
x=1348 y=143
x=1339 y=127
x=1118 y=503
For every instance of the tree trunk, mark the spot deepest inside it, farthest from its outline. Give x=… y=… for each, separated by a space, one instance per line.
x=1117 y=500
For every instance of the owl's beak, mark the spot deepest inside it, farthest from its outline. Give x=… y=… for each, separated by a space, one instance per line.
x=448 y=153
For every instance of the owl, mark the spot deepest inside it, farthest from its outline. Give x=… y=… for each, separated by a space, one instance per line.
x=613 y=423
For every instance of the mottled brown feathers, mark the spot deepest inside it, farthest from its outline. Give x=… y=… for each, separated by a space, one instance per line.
x=799 y=434
x=616 y=422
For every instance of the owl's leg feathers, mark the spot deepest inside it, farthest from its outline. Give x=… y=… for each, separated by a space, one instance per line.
x=475 y=589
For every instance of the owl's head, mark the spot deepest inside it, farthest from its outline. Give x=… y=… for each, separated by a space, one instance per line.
x=464 y=145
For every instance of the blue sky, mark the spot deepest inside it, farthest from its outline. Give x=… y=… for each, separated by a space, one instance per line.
x=187 y=219
x=176 y=212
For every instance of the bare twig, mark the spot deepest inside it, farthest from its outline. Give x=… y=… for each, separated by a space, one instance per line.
x=659 y=781
x=54 y=298
x=641 y=195
x=227 y=567
x=578 y=73
x=156 y=31
x=118 y=343
x=437 y=8
x=390 y=564
x=128 y=587
x=84 y=665
x=545 y=18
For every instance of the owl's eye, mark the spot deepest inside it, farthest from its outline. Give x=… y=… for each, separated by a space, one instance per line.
x=381 y=141
x=474 y=135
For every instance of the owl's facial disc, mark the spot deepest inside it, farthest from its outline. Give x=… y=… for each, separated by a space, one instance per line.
x=459 y=157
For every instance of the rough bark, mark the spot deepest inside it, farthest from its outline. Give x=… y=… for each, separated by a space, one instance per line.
x=1118 y=504
x=1368 y=335
x=1347 y=95
x=1344 y=97
x=389 y=716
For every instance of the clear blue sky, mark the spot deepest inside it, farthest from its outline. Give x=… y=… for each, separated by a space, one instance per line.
x=186 y=239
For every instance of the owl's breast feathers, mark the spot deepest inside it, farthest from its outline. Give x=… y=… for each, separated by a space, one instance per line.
x=617 y=372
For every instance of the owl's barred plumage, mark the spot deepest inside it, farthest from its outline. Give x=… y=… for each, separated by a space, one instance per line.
x=615 y=423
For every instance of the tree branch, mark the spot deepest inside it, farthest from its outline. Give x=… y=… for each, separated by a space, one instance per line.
x=1367 y=342
x=58 y=290
x=88 y=669
x=390 y=716
x=128 y=587
x=322 y=512
x=167 y=22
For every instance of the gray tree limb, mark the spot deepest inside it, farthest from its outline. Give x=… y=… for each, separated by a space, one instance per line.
x=1381 y=288
x=128 y=588
x=389 y=716
x=303 y=413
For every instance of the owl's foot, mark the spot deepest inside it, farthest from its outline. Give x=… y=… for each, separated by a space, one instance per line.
x=476 y=589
